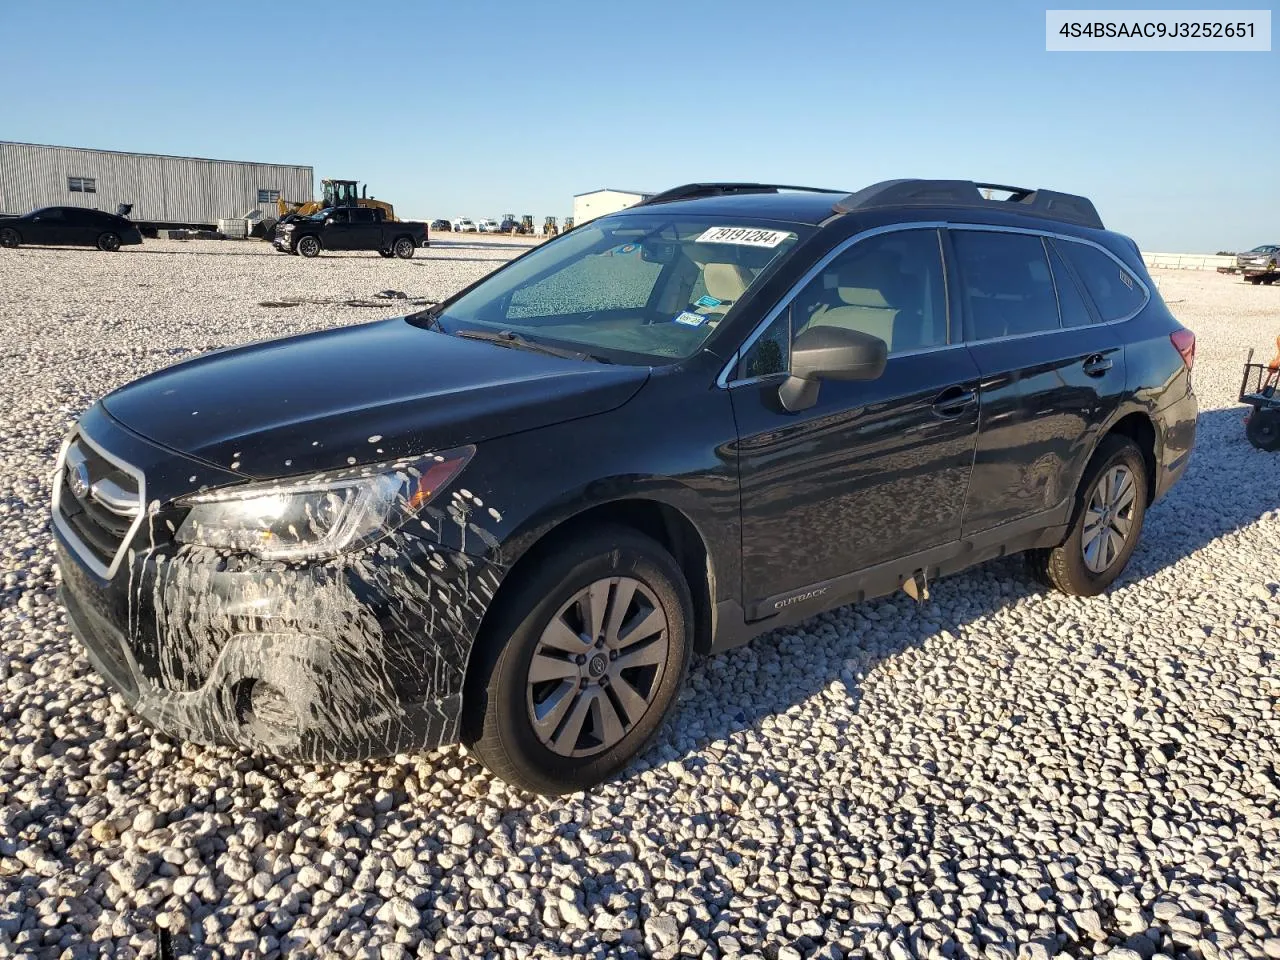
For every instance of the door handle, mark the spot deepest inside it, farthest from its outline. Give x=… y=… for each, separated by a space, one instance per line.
x=953 y=401
x=1097 y=365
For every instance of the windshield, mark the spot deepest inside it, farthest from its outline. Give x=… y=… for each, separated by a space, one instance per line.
x=647 y=284
x=1265 y=248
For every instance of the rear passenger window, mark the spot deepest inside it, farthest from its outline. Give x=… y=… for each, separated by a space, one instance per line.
x=1008 y=290
x=1070 y=300
x=1114 y=290
x=890 y=286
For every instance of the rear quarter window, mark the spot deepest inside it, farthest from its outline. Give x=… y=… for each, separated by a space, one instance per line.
x=1114 y=290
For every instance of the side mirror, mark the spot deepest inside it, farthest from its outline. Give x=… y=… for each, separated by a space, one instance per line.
x=830 y=353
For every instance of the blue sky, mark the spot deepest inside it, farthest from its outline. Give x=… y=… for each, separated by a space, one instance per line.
x=478 y=108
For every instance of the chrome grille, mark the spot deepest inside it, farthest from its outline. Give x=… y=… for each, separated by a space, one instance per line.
x=97 y=503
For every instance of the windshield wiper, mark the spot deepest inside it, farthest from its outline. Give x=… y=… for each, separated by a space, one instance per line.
x=509 y=338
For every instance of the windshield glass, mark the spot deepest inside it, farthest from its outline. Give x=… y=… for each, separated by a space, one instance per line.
x=1265 y=248
x=647 y=284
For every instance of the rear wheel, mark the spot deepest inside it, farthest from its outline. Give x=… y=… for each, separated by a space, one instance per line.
x=1111 y=504
x=1263 y=429
x=9 y=237
x=1268 y=281
x=385 y=253
x=1254 y=280
x=580 y=664
x=308 y=247
x=403 y=248
x=109 y=242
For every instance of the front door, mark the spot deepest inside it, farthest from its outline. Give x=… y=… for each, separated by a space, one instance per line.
x=337 y=230
x=46 y=226
x=875 y=470
x=1051 y=376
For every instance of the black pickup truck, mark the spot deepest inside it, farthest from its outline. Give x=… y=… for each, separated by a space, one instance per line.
x=349 y=228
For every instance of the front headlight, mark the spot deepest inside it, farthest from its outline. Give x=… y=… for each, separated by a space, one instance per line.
x=320 y=515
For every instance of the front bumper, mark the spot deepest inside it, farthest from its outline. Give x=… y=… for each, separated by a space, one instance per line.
x=1253 y=269
x=345 y=659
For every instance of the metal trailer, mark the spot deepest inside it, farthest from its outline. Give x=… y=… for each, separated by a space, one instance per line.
x=164 y=191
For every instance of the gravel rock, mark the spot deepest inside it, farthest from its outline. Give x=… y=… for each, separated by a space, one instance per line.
x=1000 y=771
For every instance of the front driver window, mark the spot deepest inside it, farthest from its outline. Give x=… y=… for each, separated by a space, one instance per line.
x=890 y=286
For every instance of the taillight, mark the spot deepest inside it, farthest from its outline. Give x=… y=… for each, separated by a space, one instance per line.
x=1185 y=341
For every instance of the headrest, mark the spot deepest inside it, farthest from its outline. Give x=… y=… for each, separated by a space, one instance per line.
x=863 y=297
x=726 y=281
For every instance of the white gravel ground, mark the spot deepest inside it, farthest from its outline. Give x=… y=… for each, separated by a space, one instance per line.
x=1001 y=773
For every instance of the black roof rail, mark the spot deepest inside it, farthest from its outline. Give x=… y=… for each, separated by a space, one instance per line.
x=1065 y=207
x=692 y=191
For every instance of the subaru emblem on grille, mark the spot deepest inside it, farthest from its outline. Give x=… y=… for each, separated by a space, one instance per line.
x=78 y=479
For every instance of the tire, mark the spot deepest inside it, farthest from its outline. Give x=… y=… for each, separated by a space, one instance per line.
x=308 y=247
x=385 y=253
x=1254 y=280
x=109 y=242
x=1069 y=567
x=1268 y=281
x=577 y=747
x=1263 y=429
x=403 y=247
x=9 y=238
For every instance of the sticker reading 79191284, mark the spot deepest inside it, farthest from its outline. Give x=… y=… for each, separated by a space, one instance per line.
x=747 y=236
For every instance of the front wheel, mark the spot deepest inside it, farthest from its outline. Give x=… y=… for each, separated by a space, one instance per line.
x=9 y=237
x=308 y=247
x=1263 y=429
x=580 y=664
x=1254 y=280
x=109 y=242
x=1111 y=504
x=403 y=248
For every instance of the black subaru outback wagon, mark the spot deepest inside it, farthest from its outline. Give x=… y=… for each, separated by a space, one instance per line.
x=511 y=519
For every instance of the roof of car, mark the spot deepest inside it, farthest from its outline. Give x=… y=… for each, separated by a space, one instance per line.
x=791 y=206
x=816 y=205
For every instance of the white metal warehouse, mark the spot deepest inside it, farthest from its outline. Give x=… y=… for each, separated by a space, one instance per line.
x=162 y=189
x=596 y=203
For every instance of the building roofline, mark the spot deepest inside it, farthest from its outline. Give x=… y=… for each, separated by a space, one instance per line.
x=158 y=156
x=634 y=193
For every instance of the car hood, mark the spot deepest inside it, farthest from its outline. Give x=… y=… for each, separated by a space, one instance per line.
x=359 y=394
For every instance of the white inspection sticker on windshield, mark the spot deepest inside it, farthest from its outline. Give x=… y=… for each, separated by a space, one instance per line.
x=747 y=236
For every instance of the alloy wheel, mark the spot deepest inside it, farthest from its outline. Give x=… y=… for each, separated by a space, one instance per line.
x=8 y=238
x=597 y=667
x=1108 y=518
x=404 y=248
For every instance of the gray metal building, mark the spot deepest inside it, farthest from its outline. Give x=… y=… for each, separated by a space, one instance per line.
x=162 y=189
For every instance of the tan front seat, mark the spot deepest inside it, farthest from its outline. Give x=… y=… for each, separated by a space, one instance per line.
x=863 y=309
x=727 y=282
x=862 y=303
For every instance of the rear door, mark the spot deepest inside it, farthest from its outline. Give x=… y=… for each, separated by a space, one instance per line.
x=1050 y=374
x=876 y=470
x=365 y=232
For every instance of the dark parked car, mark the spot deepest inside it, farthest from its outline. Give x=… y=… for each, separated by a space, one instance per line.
x=349 y=228
x=439 y=225
x=1260 y=265
x=511 y=518
x=69 y=227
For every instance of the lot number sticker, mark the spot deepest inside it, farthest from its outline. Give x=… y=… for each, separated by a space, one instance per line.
x=745 y=236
